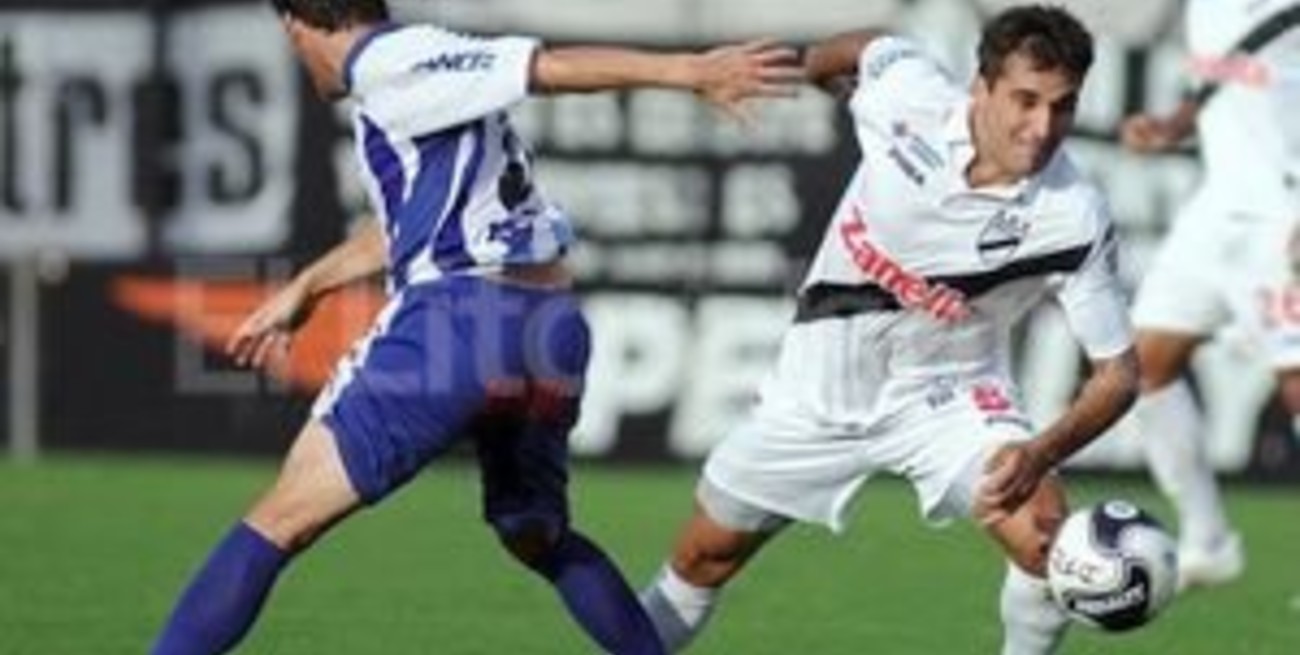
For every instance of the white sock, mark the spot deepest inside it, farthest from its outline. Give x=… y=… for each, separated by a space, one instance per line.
x=1032 y=624
x=1171 y=436
x=678 y=608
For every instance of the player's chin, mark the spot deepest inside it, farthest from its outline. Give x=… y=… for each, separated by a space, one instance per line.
x=1038 y=157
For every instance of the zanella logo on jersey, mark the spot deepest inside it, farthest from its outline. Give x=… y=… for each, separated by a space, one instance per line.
x=458 y=62
x=911 y=290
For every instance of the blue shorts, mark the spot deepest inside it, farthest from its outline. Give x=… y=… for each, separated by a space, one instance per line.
x=501 y=364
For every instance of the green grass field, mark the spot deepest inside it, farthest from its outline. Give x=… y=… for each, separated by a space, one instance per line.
x=93 y=550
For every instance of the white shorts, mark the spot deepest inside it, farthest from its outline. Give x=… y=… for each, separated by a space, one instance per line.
x=1220 y=265
x=806 y=460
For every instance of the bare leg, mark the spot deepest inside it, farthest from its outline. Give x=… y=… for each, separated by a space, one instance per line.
x=707 y=555
x=312 y=493
x=1033 y=624
x=225 y=597
x=1171 y=434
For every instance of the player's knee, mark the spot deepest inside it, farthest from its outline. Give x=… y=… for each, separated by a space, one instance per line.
x=1031 y=556
x=293 y=523
x=1289 y=391
x=1153 y=377
x=530 y=542
x=291 y=533
x=1161 y=361
x=1030 y=552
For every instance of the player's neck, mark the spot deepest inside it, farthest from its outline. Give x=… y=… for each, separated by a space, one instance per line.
x=984 y=171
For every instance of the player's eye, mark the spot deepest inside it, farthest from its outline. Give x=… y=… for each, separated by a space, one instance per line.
x=1067 y=104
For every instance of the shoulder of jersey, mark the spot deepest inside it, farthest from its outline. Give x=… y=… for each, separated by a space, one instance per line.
x=397 y=52
x=901 y=77
x=1073 y=196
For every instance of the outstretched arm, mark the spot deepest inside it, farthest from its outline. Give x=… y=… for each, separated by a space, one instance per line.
x=725 y=76
x=362 y=255
x=1015 y=471
x=832 y=64
x=269 y=328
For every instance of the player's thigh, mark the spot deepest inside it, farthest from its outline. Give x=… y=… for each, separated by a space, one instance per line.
x=312 y=491
x=1163 y=355
x=522 y=433
x=1026 y=536
x=1184 y=289
x=523 y=463
x=1267 y=299
x=944 y=438
x=1288 y=385
x=790 y=465
x=407 y=391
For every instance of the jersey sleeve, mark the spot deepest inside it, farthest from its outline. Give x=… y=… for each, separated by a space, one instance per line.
x=895 y=76
x=442 y=79
x=1093 y=298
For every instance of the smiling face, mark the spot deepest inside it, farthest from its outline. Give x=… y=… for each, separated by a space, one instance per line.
x=1021 y=115
x=1032 y=63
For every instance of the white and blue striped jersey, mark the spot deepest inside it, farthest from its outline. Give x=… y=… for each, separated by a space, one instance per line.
x=446 y=173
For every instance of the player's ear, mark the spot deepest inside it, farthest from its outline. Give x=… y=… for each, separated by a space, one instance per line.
x=296 y=29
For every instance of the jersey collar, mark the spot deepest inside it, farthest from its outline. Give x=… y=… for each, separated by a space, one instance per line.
x=359 y=47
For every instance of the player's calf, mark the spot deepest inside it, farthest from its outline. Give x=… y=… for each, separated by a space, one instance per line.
x=589 y=584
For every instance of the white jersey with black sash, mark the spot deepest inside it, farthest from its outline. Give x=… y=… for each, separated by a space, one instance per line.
x=941 y=271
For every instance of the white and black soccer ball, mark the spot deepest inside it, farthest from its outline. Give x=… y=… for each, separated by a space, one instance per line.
x=1112 y=566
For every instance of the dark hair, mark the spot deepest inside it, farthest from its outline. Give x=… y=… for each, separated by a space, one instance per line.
x=333 y=15
x=1049 y=36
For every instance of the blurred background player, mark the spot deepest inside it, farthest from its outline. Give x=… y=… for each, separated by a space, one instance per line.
x=963 y=214
x=1233 y=252
x=481 y=336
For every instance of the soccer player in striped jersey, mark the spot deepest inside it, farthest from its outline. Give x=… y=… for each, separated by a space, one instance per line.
x=481 y=339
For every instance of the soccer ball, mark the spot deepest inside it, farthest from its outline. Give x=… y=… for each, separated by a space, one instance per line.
x=1112 y=566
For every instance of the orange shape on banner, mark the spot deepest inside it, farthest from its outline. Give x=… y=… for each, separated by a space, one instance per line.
x=209 y=313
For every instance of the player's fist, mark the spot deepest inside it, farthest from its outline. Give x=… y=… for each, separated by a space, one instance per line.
x=269 y=329
x=1011 y=476
x=1146 y=133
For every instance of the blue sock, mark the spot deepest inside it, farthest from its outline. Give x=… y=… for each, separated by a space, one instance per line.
x=225 y=597
x=598 y=597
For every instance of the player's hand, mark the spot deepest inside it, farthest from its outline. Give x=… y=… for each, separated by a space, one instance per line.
x=1149 y=134
x=1011 y=476
x=269 y=329
x=730 y=75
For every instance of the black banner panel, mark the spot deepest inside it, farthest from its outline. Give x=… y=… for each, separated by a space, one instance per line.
x=165 y=164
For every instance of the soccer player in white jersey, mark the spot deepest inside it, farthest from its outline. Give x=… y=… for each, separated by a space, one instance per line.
x=481 y=338
x=1232 y=252
x=962 y=215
